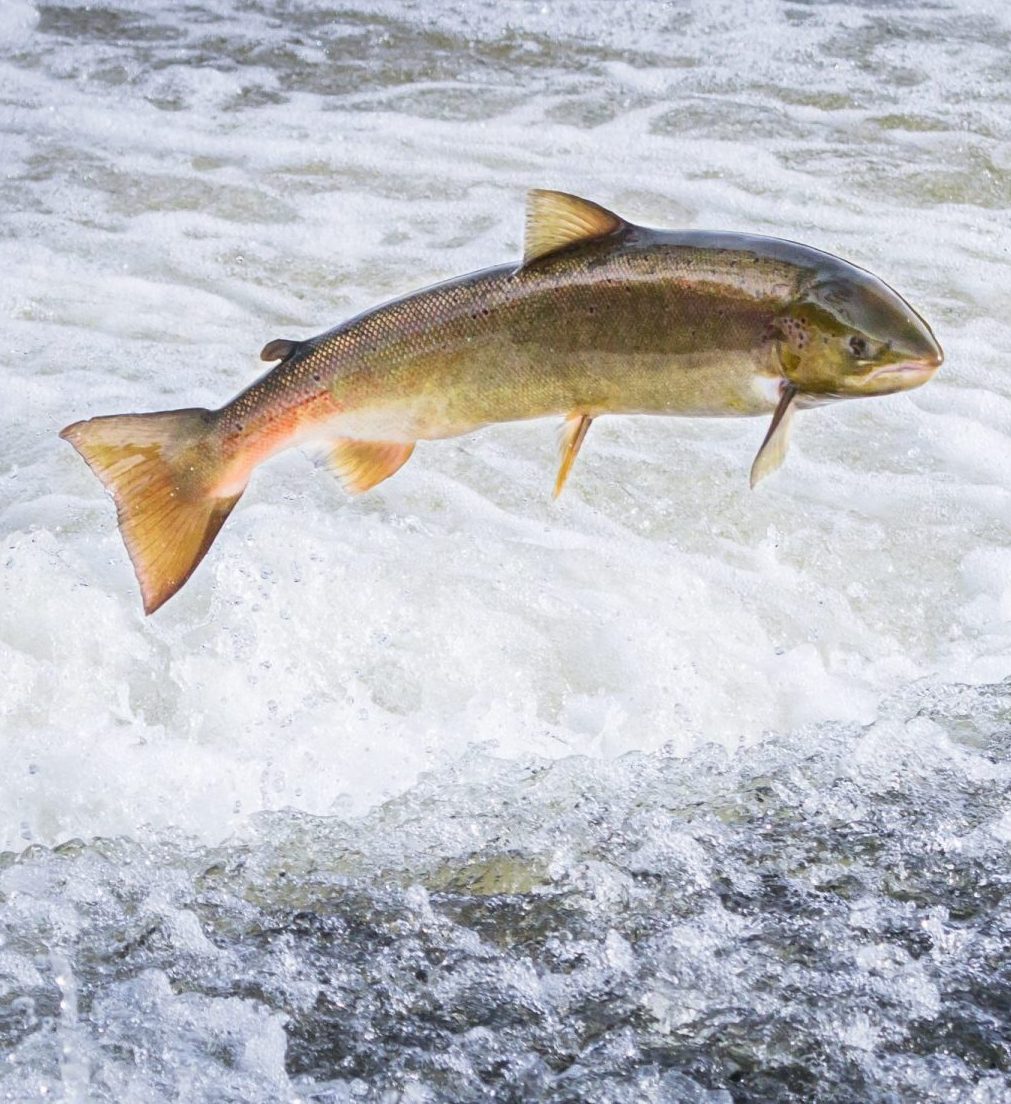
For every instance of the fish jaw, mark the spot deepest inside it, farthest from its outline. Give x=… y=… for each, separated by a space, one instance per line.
x=908 y=374
x=911 y=361
x=914 y=363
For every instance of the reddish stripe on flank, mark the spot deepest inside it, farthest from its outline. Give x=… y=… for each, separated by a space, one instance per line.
x=271 y=433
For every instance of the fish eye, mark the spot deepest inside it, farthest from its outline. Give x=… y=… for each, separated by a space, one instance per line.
x=858 y=346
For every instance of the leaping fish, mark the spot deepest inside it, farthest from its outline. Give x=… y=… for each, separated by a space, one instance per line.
x=600 y=317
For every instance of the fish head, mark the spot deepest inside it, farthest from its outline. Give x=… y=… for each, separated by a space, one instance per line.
x=850 y=335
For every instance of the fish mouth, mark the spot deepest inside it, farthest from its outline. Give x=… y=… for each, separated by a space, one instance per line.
x=910 y=370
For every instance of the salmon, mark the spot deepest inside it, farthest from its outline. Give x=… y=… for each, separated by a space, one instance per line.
x=600 y=317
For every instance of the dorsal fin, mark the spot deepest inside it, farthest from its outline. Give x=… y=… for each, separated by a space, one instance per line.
x=279 y=349
x=556 y=220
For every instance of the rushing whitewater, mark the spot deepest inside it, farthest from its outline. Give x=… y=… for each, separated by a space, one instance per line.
x=666 y=791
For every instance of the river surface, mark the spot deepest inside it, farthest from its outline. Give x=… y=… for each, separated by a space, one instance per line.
x=667 y=792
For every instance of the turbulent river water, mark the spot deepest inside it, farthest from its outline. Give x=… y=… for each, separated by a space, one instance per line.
x=669 y=791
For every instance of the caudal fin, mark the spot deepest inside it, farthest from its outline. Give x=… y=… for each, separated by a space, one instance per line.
x=159 y=468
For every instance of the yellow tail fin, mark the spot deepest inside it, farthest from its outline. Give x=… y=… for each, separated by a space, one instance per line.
x=159 y=468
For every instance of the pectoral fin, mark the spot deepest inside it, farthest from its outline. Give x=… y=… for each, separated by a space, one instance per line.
x=573 y=434
x=360 y=465
x=777 y=440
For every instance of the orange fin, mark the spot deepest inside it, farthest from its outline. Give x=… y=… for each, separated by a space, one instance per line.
x=572 y=437
x=777 y=440
x=362 y=464
x=556 y=220
x=157 y=468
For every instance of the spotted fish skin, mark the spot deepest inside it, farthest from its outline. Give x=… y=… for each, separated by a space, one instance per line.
x=601 y=317
x=653 y=324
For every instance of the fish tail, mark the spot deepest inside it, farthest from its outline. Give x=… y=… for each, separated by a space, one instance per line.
x=162 y=470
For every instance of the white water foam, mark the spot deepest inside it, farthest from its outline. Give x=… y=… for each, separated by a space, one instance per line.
x=328 y=651
x=180 y=188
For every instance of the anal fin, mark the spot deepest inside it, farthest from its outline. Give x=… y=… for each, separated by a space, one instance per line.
x=573 y=434
x=777 y=440
x=360 y=465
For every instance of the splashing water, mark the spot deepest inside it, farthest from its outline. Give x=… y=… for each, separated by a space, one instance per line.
x=666 y=792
